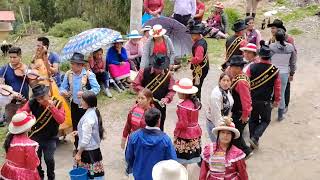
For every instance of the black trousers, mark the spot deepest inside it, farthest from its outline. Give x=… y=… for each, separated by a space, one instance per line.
x=183 y=19
x=287 y=94
x=260 y=118
x=76 y=114
x=163 y=111
x=205 y=71
x=47 y=148
x=240 y=143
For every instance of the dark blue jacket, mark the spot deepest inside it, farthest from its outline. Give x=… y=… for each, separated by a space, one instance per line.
x=114 y=58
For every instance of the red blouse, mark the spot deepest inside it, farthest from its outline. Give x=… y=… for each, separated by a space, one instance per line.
x=153 y=5
x=21 y=159
x=187 y=126
x=160 y=48
x=135 y=121
x=216 y=165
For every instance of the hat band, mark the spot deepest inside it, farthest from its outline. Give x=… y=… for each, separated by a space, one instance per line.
x=23 y=122
x=252 y=47
x=157 y=32
x=184 y=87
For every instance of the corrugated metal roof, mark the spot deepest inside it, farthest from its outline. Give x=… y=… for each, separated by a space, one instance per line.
x=7 y=16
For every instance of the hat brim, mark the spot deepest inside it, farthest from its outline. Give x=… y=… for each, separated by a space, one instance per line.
x=157 y=171
x=220 y=128
x=216 y=6
x=78 y=62
x=237 y=64
x=193 y=90
x=163 y=32
x=119 y=41
x=19 y=130
x=277 y=26
x=239 y=29
x=248 y=49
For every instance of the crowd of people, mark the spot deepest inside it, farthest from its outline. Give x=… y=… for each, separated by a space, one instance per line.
x=255 y=79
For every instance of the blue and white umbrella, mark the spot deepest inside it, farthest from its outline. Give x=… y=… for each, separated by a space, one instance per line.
x=89 y=41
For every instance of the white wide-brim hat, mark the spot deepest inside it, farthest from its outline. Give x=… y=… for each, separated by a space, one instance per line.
x=185 y=86
x=21 y=122
x=169 y=169
x=157 y=31
x=249 y=47
x=146 y=28
x=134 y=34
x=227 y=126
x=118 y=40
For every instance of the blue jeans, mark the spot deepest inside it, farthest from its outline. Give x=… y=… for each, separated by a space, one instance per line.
x=47 y=148
x=284 y=81
x=210 y=126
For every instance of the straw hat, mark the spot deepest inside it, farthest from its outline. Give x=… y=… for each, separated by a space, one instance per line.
x=227 y=125
x=21 y=123
x=219 y=5
x=169 y=169
x=134 y=34
x=249 y=47
x=185 y=86
x=157 y=31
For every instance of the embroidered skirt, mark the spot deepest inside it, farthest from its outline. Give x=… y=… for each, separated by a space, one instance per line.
x=188 y=150
x=119 y=72
x=92 y=161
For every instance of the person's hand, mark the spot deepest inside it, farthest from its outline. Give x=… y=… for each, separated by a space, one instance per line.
x=123 y=143
x=74 y=133
x=290 y=78
x=275 y=104
x=164 y=101
x=244 y=120
x=77 y=157
x=65 y=94
x=122 y=63
x=118 y=50
x=79 y=94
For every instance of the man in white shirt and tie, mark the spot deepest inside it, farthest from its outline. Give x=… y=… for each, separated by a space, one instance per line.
x=184 y=10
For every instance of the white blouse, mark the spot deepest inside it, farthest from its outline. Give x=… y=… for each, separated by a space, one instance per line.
x=216 y=104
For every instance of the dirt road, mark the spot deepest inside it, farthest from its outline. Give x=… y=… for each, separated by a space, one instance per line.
x=289 y=150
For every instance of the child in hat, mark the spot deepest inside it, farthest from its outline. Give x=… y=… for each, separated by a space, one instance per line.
x=135 y=118
x=21 y=157
x=223 y=160
x=187 y=132
x=218 y=21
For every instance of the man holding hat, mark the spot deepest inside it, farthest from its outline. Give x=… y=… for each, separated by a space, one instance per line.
x=265 y=82
x=242 y=100
x=160 y=81
x=199 y=60
x=134 y=49
x=235 y=42
x=75 y=82
x=49 y=113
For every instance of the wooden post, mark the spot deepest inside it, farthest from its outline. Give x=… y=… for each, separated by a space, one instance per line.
x=136 y=14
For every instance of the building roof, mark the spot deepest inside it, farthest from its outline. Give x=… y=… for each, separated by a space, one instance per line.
x=7 y=16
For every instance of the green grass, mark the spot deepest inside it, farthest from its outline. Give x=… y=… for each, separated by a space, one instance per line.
x=295 y=31
x=282 y=2
x=299 y=13
x=216 y=50
x=3 y=132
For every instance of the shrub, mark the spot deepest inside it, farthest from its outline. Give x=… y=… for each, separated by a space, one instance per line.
x=64 y=66
x=233 y=15
x=168 y=8
x=69 y=27
x=35 y=27
x=295 y=31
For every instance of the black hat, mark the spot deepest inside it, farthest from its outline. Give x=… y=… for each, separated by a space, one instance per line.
x=78 y=58
x=39 y=90
x=237 y=60
x=160 y=61
x=264 y=51
x=278 y=24
x=196 y=29
x=239 y=25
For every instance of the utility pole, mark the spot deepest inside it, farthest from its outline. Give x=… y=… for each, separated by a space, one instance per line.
x=136 y=14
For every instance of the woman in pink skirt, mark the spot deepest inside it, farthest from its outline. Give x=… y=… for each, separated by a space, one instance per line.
x=118 y=64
